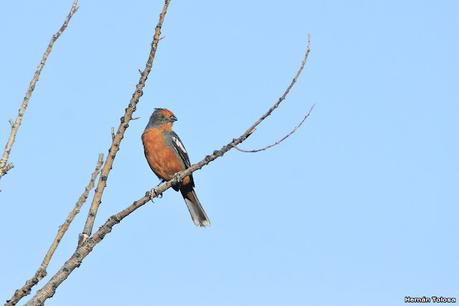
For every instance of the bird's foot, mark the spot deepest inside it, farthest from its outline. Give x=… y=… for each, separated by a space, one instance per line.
x=155 y=194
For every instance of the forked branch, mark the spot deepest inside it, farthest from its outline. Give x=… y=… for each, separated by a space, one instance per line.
x=306 y=116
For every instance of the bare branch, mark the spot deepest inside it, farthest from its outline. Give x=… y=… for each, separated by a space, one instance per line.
x=282 y=139
x=87 y=246
x=17 y=123
x=41 y=272
x=114 y=148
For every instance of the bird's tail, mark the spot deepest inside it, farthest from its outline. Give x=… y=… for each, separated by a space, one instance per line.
x=197 y=213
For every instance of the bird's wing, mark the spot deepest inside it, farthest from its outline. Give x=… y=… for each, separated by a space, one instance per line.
x=177 y=144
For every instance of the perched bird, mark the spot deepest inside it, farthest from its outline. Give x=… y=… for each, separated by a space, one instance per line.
x=166 y=156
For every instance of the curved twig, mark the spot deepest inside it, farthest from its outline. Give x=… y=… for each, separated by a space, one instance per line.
x=87 y=246
x=280 y=140
x=4 y=165
x=41 y=272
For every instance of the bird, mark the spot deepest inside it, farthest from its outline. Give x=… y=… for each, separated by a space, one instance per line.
x=166 y=155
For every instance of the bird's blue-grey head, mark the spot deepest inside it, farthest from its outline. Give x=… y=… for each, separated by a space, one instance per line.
x=160 y=117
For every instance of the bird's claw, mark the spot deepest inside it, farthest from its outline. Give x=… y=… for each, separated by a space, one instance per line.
x=155 y=194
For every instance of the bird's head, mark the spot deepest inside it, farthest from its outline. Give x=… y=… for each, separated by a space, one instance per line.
x=161 y=117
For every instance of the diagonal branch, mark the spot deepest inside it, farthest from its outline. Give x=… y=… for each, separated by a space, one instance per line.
x=87 y=246
x=124 y=124
x=41 y=272
x=4 y=165
x=283 y=138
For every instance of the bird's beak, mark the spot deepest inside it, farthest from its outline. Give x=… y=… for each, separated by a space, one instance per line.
x=172 y=118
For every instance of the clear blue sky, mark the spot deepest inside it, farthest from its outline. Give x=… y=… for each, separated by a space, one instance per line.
x=359 y=207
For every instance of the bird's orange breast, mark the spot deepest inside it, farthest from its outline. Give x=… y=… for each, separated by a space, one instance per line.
x=161 y=158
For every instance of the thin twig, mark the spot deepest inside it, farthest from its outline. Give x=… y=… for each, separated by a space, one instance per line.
x=4 y=166
x=124 y=124
x=280 y=140
x=87 y=246
x=41 y=272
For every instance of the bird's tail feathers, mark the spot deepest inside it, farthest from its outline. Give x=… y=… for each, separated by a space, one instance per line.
x=197 y=213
